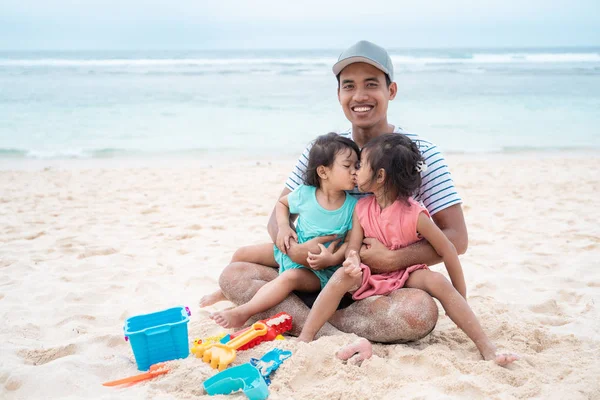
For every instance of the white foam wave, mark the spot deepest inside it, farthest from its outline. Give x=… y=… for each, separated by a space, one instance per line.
x=476 y=58
x=501 y=59
x=165 y=62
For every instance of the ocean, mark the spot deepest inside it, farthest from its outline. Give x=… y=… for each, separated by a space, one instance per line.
x=56 y=105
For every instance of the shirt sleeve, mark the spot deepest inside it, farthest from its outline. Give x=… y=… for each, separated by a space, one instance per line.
x=295 y=199
x=437 y=190
x=296 y=177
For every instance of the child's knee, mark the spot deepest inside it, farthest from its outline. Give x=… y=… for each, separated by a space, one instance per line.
x=437 y=281
x=344 y=281
x=292 y=276
x=240 y=254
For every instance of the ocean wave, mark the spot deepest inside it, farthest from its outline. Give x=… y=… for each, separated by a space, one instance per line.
x=524 y=149
x=157 y=62
x=64 y=153
x=313 y=62
x=105 y=153
x=508 y=58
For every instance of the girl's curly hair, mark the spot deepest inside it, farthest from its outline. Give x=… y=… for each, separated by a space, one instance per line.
x=323 y=152
x=400 y=158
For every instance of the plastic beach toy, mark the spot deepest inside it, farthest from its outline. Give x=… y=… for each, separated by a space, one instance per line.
x=155 y=370
x=252 y=378
x=220 y=355
x=244 y=377
x=268 y=363
x=157 y=337
x=213 y=339
x=277 y=324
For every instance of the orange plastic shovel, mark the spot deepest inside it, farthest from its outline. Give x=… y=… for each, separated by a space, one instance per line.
x=155 y=370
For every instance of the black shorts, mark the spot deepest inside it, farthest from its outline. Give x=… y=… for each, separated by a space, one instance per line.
x=309 y=299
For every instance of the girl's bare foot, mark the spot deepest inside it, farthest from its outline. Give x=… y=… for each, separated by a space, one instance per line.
x=212 y=298
x=502 y=359
x=232 y=318
x=304 y=338
x=362 y=347
x=505 y=359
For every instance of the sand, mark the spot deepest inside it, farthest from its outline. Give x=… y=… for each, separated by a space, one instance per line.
x=85 y=245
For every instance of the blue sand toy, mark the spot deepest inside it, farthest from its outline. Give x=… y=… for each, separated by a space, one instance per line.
x=244 y=377
x=252 y=377
x=157 y=337
x=225 y=339
x=270 y=362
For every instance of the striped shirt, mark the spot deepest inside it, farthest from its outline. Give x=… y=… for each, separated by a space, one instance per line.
x=437 y=191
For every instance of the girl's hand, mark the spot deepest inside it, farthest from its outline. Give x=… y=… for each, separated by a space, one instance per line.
x=352 y=265
x=285 y=234
x=324 y=259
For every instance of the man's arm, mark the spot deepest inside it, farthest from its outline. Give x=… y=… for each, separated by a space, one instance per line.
x=272 y=226
x=450 y=220
x=298 y=253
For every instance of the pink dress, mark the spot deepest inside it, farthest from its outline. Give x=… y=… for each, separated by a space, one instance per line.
x=395 y=227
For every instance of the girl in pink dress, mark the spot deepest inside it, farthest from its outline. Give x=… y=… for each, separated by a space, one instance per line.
x=390 y=168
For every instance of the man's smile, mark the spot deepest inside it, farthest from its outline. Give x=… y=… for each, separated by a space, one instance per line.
x=362 y=108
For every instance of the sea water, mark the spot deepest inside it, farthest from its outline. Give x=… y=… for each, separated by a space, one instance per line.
x=273 y=102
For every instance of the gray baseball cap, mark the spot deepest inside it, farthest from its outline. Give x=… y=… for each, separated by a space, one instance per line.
x=366 y=52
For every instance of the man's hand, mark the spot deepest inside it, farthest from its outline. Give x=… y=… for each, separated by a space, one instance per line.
x=299 y=252
x=324 y=259
x=283 y=238
x=374 y=254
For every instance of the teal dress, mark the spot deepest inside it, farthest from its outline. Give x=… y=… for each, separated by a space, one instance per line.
x=313 y=221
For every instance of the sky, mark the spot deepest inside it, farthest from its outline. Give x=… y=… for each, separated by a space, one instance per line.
x=281 y=24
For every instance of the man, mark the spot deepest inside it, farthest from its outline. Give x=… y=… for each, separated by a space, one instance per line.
x=365 y=87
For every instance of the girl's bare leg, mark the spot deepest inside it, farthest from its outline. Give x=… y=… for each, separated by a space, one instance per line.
x=327 y=303
x=268 y=296
x=257 y=254
x=459 y=311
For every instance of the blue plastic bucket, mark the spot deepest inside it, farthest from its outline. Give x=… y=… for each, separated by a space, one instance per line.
x=157 y=337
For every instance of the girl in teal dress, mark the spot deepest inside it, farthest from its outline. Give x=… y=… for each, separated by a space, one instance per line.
x=323 y=208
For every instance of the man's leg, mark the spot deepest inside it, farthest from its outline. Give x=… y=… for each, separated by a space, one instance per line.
x=259 y=254
x=402 y=316
x=240 y=281
x=268 y=296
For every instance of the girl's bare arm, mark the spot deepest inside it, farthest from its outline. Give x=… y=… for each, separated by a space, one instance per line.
x=355 y=236
x=445 y=249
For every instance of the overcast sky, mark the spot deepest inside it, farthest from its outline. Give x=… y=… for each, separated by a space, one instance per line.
x=199 y=24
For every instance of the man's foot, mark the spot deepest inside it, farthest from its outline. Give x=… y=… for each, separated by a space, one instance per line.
x=212 y=298
x=362 y=348
x=229 y=318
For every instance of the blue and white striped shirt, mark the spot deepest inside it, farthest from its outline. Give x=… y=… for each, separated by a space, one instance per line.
x=437 y=190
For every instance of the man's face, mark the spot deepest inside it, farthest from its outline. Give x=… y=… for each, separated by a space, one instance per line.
x=364 y=95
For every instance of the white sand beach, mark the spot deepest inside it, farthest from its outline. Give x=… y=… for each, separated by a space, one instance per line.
x=85 y=245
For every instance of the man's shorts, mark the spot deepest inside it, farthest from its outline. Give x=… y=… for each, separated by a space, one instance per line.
x=309 y=299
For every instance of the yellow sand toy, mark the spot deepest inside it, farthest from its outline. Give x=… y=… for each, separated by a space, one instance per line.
x=220 y=355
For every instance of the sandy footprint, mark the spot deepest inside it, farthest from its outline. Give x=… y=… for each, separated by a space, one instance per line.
x=80 y=317
x=97 y=251
x=43 y=356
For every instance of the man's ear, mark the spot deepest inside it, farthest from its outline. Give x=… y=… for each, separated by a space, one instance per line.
x=393 y=89
x=322 y=172
x=338 y=94
x=381 y=175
